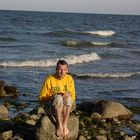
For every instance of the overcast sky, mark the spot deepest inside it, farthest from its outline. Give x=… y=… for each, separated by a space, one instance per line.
x=82 y=6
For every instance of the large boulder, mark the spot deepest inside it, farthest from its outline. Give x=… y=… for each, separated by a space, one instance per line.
x=46 y=128
x=8 y=91
x=4 y=114
x=11 y=90
x=86 y=107
x=110 y=109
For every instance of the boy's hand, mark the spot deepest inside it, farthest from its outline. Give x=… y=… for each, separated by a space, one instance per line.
x=66 y=95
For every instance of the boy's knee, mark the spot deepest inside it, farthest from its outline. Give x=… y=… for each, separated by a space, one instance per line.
x=68 y=101
x=58 y=101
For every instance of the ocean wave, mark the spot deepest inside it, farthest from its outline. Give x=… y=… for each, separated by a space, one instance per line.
x=101 y=33
x=68 y=31
x=7 y=39
x=71 y=59
x=106 y=75
x=59 y=32
x=74 y=43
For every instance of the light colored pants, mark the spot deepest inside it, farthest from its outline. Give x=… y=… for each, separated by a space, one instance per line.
x=56 y=102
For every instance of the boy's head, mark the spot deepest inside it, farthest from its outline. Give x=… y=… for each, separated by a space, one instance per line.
x=61 y=68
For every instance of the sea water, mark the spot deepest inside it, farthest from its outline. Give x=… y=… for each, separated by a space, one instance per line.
x=103 y=52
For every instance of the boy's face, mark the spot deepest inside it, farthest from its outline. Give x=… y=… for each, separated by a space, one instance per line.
x=61 y=70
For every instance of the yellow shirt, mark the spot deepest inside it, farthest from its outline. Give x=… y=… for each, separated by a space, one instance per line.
x=53 y=85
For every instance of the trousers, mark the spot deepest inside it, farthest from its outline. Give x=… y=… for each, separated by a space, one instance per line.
x=55 y=102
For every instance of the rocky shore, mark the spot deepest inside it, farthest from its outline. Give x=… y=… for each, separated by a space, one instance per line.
x=101 y=120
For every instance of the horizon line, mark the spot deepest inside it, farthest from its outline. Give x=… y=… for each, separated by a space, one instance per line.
x=69 y=12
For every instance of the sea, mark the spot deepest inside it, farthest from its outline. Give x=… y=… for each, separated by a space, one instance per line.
x=102 y=50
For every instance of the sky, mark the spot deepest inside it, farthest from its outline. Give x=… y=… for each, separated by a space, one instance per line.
x=130 y=7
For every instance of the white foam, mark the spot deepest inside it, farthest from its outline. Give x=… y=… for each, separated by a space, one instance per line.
x=107 y=75
x=74 y=43
x=71 y=43
x=101 y=33
x=100 y=43
x=71 y=59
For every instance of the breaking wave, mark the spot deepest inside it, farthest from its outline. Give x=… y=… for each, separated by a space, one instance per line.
x=73 y=43
x=106 y=75
x=101 y=33
x=68 y=31
x=71 y=59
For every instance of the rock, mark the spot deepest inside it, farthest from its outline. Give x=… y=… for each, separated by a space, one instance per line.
x=100 y=137
x=4 y=114
x=46 y=128
x=40 y=110
x=2 y=91
x=102 y=132
x=135 y=127
x=81 y=137
x=96 y=116
x=85 y=107
x=20 y=106
x=11 y=90
x=122 y=133
x=6 y=90
x=16 y=138
x=6 y=135
x=128 y=138
x=5 y=126
x=32 y=119
x=21 y=117
x=109 y=109
x=6 y=104
x=31 y=122
x=116 y=121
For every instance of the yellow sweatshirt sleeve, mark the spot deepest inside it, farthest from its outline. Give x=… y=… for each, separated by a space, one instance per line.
x=45 y=92
x=72 y=89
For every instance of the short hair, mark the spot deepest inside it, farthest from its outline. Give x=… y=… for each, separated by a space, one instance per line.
x=62 y=62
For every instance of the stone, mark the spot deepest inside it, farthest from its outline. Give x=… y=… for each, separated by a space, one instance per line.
x=129 y=138
x=11 y=90
x=2 y=91
x=34 y=117
x=31 y=122
x=135 y=127
x=6 y=90
x=40 y=110
x=100 y=137
x=4 y=114
x=46 y=128
x=6 y=135
x=102 y=132
x=81 y=137
x=85 y=107
x=95 y=116
x=16 y=138
x=110 y=109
